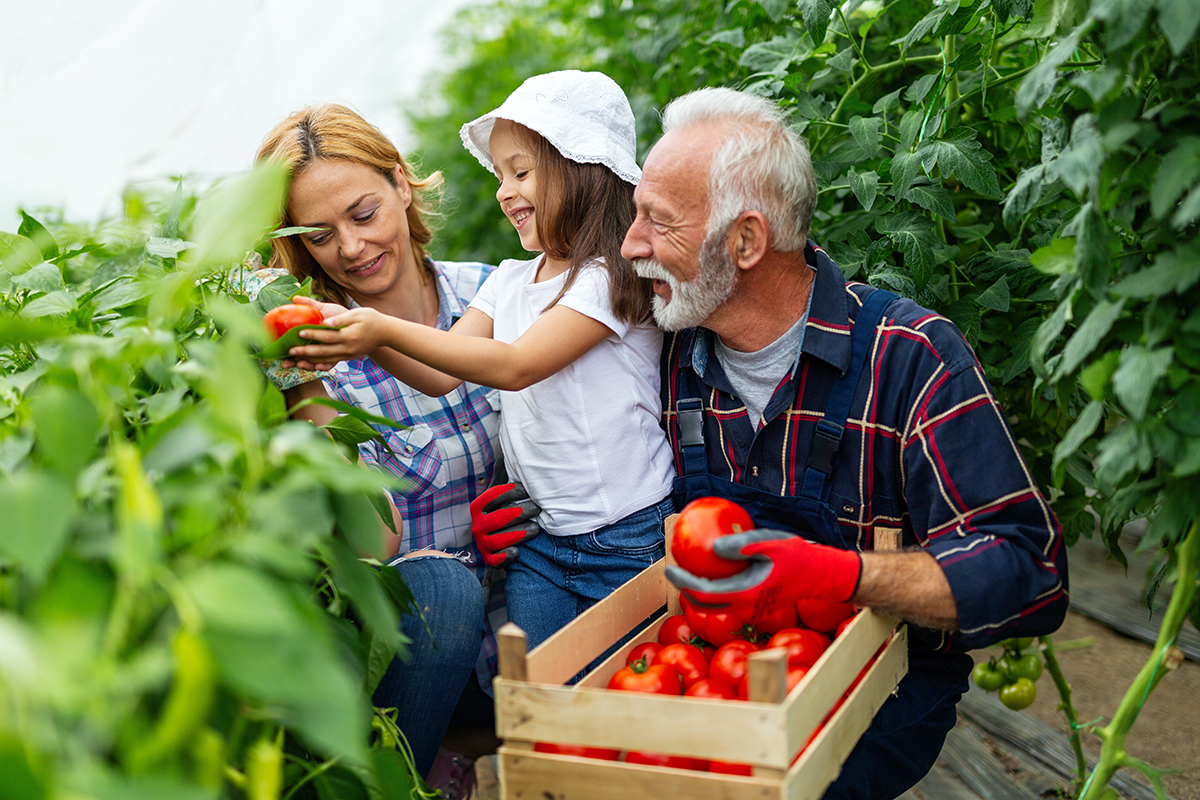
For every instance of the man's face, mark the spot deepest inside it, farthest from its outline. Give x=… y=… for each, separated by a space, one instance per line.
x=669 y=243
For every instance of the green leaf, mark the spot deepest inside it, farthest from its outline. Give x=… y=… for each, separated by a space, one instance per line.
x=905 y=167
x=1047 y=334
x=279 y=348
x=774 y=56
x=38 y=510
x=1175 y=271
x=888 y=103
x=1095 y=376
x=912 y=234
x=353 y=411
x=235 y=215
x=865 y=186
x=359 y=583
x=1056 y=258
x=1125 y=20
x=996 y=296
x=279 y=233
x=816 y=14
x=45 y=277
x=33 y=230
x=1039 y=84
x=920 y=87
x=167 y=248
x=923 y=28
x=1189 y=209
x=222 y=593
x=1022 y=345
x=18 y=254
x=733 y=36
x=1091 y=248
x=1080 y=431
x=960 y=155
x=910 y=127
x=932 y=197
x=1079 y=164
x=1052 y=16
x=349 y=430
x=358 y=522
x=866 y=132
x=1013 y=9
x=1178 y=20
x=55 y=304
x=67 y=426
x=1024 y=196
x=1135 y=378
x=1088 y=336
x=1124 y=450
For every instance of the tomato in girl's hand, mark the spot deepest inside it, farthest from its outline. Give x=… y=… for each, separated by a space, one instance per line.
x=824 y=615
x=281 y=319
x=643 y=652
x=663 y=760
x=577 y=750
x=803 y=646
x=713 y=688
x=700 y=523
x=688 y=660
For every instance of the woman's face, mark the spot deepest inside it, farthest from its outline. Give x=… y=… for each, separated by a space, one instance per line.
x=363 y=244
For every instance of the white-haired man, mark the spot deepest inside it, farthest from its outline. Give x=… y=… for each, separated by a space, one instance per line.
x=831 y=409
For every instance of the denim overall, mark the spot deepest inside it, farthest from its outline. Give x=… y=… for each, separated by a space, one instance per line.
x=907 y=734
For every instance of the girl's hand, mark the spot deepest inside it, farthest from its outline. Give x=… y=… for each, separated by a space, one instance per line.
x=359 y=331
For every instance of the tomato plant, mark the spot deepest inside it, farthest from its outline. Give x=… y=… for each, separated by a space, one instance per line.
x=281 y=319
x=701 y=522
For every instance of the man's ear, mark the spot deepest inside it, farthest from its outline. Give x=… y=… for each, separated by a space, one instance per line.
x=748 y=239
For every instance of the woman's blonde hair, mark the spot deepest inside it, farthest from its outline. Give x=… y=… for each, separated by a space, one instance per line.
x=327 y=132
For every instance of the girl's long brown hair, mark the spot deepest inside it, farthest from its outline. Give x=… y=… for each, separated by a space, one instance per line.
x=328 y=132
x=584 y=211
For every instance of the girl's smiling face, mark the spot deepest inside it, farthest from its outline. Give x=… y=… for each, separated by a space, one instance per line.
x=364 y=244
x=515 y=166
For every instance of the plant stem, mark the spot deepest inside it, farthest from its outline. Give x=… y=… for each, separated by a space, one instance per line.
x=1112 y=752
x=869 y=71
x=1068 y=709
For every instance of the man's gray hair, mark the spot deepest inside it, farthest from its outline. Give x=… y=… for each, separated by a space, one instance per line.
x=763 y=165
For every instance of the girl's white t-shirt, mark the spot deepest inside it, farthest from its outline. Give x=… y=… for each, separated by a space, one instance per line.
x=585 y=442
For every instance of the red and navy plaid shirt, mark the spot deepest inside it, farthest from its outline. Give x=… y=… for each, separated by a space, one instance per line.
x=926 y=449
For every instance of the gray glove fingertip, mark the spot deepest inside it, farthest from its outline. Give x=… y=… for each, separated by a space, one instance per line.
x=731 y=546
x=748 y=578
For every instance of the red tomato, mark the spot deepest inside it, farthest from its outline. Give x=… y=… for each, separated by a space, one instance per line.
x=654 y=679
x=823 y=615
x=578 y=750
x=804 y=647
x=717 y=627
x=700 y=523
x=686 y=659
x=794 y=676
x=674 y=629
x=714 y=688
x=841 y=628
x=729 y=662
x=730 y=768
x=643 y=652
x=663 y=760
x=281 y=319
x=785 y=617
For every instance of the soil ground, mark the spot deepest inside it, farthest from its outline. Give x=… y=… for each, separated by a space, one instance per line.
x=1167 y=732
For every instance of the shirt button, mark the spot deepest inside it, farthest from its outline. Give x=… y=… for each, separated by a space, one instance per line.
x=466 y=426
x=408 y=449
x=754 y=471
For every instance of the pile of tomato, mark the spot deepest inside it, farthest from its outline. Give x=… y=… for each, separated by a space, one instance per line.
x=1013 y=674
x=703 y=653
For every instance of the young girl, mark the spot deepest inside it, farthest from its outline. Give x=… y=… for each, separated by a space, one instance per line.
x=565 y=336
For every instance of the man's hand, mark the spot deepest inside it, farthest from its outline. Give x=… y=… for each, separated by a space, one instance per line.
x=502 y=518
x=783 y=568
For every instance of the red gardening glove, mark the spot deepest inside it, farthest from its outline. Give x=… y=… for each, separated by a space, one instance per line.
x=783 y=568
x=502 y=518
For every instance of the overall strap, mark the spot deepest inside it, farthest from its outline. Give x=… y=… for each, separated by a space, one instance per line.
x=689 y=415
x=828 y=436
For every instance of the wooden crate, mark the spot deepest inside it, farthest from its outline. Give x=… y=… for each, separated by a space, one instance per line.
x=533 y=705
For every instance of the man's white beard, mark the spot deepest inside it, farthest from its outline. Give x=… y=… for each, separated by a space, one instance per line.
x=693 y=302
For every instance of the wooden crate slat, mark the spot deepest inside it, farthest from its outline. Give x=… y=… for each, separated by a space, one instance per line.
x=598 y=678
x=536 y=776
x=811 y=699
x=572 y=648
x=820 y=764
x=749 y=732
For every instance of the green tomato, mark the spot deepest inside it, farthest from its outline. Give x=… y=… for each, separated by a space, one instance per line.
x=1018 y=695
x=986 y=677
x=1027 y=666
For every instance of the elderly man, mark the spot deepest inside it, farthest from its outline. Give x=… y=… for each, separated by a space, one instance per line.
x=832 y=409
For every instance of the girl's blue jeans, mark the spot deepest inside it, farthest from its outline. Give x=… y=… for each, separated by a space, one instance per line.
x=428 y=687
x=556 y=578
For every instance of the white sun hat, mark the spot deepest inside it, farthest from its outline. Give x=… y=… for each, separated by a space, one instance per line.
x=585 y=115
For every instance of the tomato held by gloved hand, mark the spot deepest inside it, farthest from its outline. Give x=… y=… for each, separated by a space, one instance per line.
x=700 y=524
x=502 y=518
x=783 y=568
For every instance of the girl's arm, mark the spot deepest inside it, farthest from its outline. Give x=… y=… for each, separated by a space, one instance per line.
x=466 y=351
